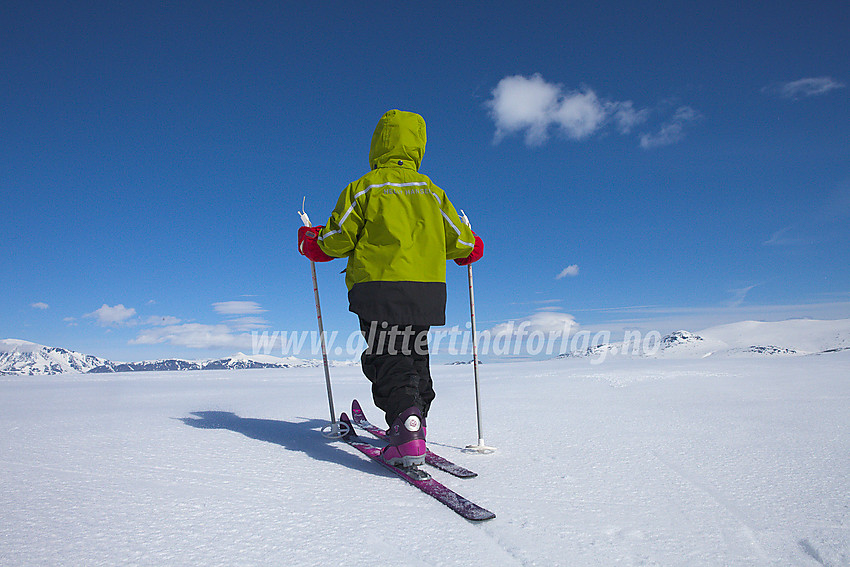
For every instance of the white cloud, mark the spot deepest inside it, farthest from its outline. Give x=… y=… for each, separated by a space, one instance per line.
x=738 y=295
x=233 y=333
x=803 y=88
x=686 y=114
x=40 y=305
x=247 y=323
x=671 y=131
x=238 y=308
x=108 y=316
x=543 y=322
x=242 y=315
x=524 y=104
x=625 y=116
x=194 y=335
x=579 y=114
x=571 y=271
x=782 y=238
x=535 y=106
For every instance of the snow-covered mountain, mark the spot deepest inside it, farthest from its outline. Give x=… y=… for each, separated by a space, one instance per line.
x=29 y=359
x=239 y=361
x=753 y=338
x=24 y=357
x=794 y=337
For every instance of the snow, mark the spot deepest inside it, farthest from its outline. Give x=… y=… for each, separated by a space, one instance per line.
x=707 y=461
x=807 y=335
x=745 y=339
x=17 y=345
x=24 y=357
x=794 y=337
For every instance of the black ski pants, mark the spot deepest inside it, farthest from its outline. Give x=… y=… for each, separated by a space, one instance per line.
x=396 y=363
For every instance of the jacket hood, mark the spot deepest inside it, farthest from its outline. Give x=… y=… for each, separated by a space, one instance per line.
x=398 y=141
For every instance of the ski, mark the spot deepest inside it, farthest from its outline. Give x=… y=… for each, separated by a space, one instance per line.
x=436 y=461
x=420 y=479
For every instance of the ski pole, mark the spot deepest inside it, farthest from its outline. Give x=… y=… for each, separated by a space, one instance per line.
x=335 y=429
x=480 y=447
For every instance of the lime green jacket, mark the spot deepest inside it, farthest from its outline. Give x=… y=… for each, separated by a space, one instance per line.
x=397 y=229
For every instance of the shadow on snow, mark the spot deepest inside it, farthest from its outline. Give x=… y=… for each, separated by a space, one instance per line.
x=302 y=436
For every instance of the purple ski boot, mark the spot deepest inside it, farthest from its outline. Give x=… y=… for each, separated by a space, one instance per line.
x=406 y=440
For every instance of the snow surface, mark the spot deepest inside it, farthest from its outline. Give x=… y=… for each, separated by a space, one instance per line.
x=707 y=461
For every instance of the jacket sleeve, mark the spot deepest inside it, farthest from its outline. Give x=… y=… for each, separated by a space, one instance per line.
x=339 y=236
x=459 y=238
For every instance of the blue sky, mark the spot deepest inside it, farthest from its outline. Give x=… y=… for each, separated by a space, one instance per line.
x=629 y=164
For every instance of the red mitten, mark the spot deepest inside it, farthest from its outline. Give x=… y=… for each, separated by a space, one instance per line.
x=308 y=244
x=475 y=255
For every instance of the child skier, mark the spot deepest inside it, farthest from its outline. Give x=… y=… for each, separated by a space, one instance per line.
x=397 y=229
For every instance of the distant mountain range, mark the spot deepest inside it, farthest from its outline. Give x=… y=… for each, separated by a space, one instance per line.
x=794 y=337
x=27 y=358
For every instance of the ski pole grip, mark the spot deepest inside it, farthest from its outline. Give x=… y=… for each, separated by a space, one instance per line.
x=304 y=218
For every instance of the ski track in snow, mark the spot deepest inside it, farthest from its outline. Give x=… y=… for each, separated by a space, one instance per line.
x=630 y=462
x=747 y=530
